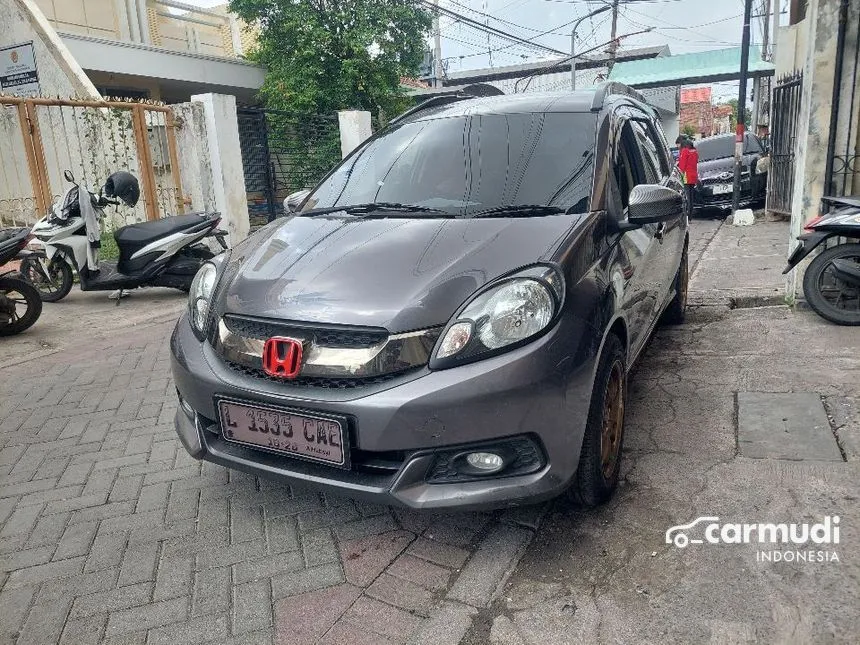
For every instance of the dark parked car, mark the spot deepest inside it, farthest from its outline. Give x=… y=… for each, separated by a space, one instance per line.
x=717 y=171
x=450 y=319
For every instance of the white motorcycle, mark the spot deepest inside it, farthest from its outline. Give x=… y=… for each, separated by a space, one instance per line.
x=161 y=253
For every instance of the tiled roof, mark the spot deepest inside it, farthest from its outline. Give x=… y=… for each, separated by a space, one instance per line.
x=696 y=95
x=405 y=81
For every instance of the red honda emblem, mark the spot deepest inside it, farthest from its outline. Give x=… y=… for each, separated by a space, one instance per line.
x=282 y=357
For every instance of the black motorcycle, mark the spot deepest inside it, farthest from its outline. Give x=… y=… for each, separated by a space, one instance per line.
x=831 y=283
x=20 y=304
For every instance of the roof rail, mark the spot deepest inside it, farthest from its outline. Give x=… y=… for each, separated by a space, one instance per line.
x=612 y=87
x=434 y=101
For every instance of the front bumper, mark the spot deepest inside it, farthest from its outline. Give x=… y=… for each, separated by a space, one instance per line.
x=398 y=428
x=706 y=197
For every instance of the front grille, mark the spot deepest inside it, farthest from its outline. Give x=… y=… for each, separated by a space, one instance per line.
x=315 y=381
x=358 y=338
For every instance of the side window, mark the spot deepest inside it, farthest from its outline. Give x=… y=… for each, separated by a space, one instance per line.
x=628 y=167
x=650 y=156
x=752 y=144
x=658 y=139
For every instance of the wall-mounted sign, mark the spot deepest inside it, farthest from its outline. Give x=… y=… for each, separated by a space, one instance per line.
x=18 y=73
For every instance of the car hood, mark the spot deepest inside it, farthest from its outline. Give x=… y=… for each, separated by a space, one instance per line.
x=400 y=274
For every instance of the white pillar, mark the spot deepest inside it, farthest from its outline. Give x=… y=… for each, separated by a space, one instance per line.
x=225 y=155
x=143 y=22
x=354 y=128
x=235 y=35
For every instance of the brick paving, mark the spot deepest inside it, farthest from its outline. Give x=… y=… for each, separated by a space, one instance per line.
x=111 y=533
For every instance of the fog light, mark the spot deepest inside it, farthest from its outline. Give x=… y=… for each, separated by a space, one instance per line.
x=186 y=408
x=486 y=462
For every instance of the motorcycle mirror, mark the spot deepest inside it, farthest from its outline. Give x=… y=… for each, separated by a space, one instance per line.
x=69 y=176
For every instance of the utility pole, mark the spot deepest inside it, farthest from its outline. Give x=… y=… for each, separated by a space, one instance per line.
x=573 y=43
x=758 y=81
x=437 y=48
x=613 y=45
x=742 y=104
x=777 y=8
x=487 y=23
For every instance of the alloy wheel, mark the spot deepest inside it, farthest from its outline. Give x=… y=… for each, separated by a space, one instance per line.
x=613 y=420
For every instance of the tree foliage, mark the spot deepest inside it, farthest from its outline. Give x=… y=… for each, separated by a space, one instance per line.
x=327 y=55
x=734 y=115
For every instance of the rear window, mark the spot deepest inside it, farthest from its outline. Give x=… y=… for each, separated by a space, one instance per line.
x=463 y=165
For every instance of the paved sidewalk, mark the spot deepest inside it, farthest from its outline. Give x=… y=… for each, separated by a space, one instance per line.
x=110 y=533
x=742 y=266
x=717 y=407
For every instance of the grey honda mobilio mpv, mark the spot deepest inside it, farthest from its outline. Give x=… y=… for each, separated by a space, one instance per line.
x=448 y=319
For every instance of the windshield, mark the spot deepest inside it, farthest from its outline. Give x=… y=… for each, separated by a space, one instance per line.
x=466 y=165
x=716 y=148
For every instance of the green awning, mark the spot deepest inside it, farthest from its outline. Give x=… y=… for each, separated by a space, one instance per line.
x=689 y=69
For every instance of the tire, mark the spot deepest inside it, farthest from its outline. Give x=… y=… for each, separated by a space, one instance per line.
x=60 y=283
x=676 y=312
x=598 y=472
x=812 y=285
x=23 y=293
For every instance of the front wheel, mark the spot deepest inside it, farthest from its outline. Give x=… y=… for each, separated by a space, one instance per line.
x=20 y=305
x=677 y=309
x=600 y=458
x=829 y=296
x=53 y=286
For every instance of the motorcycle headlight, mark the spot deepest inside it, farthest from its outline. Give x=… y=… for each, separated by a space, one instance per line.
x=199 y=296
x=509 y=313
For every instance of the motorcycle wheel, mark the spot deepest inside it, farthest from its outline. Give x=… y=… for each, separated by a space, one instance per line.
x=830 y=297
x=59 y=280
x=16 y=292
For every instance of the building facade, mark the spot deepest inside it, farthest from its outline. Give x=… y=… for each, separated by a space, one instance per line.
x=156 y=49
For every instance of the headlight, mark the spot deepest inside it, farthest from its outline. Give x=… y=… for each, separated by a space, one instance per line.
x=505 y=315
x=200 y=294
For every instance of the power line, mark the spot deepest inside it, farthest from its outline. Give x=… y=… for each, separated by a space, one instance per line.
x=570 y=59
x=488 y=29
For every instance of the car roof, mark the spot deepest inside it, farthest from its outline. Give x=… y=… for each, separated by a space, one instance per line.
x=582 y=101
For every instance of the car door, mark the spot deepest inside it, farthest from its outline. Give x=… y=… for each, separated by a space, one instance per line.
x=669 y=235
x=637 y=247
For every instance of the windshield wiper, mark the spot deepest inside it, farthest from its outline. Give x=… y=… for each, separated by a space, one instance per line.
x=372 y=207
x=520 y=210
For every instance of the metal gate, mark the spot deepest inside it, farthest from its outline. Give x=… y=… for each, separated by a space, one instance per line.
x=284 y=152
x=44 y=137
x=783 y=136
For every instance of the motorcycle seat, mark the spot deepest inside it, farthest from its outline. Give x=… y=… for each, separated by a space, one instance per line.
x=139 y=235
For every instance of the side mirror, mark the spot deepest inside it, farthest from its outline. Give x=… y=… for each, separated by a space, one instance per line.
x=293 y=201
x=69 y=176
x=652 y=203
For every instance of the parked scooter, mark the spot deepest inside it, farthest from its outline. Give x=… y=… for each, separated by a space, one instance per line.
x=20 y=305
x=831 y=283
x=161 y=253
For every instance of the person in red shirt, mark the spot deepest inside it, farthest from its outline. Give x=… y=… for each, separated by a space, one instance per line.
x=688 y=164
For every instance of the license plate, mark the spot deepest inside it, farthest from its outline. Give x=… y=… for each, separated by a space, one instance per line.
x=285 y=432
x=722 y=189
